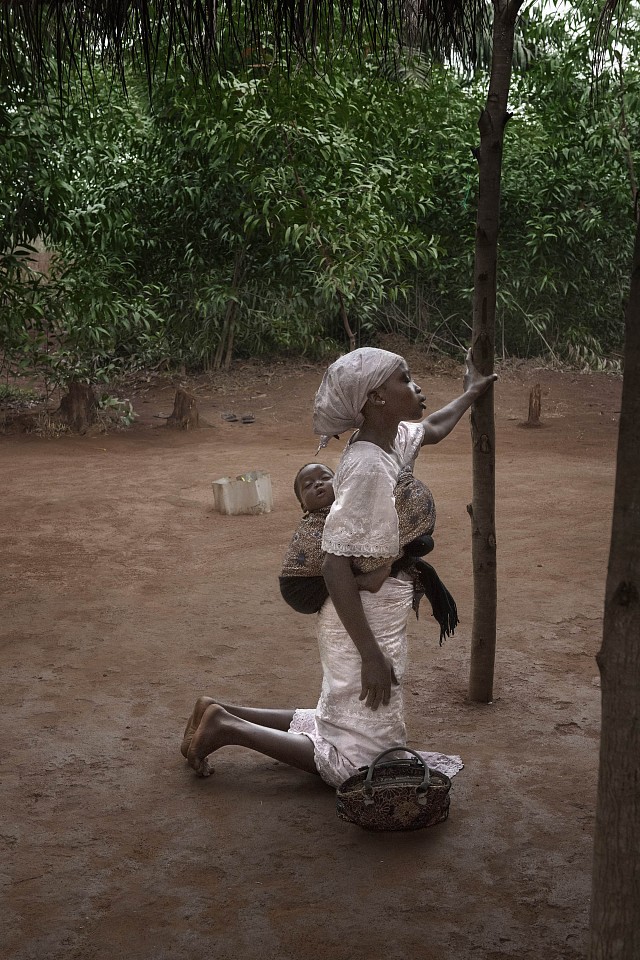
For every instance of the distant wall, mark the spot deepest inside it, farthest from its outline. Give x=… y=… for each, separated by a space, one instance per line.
x=41 y=260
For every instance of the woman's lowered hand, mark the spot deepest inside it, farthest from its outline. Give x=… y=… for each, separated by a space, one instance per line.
x=377 y=677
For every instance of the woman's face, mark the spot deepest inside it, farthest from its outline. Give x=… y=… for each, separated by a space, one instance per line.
x=402 y=396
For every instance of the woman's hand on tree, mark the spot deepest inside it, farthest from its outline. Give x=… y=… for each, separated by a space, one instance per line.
x=473 y=380
x=439 y=424
x=377 y=677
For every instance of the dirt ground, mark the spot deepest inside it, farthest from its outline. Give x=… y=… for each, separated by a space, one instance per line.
x=126 y=595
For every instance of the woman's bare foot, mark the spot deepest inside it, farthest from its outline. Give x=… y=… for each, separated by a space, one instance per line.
x=209 y=736
x=194 y=722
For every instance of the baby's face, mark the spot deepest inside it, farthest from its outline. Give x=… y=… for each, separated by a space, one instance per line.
x=315 y=487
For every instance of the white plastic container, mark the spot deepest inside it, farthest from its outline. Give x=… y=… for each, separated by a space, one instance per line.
x=249 y=493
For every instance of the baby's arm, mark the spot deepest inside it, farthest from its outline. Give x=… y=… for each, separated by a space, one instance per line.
x=373 y=581
x=439 y=425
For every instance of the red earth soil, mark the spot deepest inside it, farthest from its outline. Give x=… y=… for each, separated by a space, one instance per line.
x=126 y=595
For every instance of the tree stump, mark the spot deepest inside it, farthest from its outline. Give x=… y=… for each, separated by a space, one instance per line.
x=185 y=411
x=78 y=407
x=535 y=406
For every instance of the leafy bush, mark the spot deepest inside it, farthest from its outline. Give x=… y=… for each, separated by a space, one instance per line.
x=255 y=215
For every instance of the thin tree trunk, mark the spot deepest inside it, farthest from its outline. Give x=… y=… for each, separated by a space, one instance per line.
x=483 y=528
x=224 y=349
x=222 y=343
x=625 y=130
x=345 y=322
x=230 y=335
x=615 y=901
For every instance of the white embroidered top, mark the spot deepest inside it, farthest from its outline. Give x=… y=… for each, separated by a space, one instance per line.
x=363 y=521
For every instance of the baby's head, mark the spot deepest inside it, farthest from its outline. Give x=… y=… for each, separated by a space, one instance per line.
x=313 y=486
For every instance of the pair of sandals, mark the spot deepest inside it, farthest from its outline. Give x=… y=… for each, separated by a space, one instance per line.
x=234 y=418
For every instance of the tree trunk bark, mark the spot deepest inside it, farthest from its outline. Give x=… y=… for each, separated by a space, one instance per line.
x=78 y=406
x=535 y=406
x=615 y=901
x=224 y=350
x=185 y=414
x=493 y=120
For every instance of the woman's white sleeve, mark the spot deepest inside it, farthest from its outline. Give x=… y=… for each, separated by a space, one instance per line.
x=363 y=521
x=408 y=441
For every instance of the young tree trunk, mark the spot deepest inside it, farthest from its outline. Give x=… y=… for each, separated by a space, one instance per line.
x=615 y=901
x=224 y=350
x=493 y=120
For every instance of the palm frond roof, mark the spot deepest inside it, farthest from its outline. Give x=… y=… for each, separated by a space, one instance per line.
x=77 y=36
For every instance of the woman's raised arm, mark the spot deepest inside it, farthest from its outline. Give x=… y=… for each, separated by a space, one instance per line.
x=439 y=424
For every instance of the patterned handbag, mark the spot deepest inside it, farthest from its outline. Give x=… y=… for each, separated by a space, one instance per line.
x=396 y=795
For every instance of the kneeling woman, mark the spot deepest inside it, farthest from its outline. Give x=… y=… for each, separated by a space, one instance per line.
x=362 y=636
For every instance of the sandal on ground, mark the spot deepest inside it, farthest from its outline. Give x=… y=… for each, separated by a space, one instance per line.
x=248 y=418
x=229 y=417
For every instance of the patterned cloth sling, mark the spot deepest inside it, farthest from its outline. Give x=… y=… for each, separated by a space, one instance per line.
x=302 y=585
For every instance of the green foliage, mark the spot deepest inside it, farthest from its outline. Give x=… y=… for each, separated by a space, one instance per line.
x=89 y=314
x=282 y=201
x=248 y=215
x=10 y=394
x=566 y=226
x=567 y=221
x=116 y=411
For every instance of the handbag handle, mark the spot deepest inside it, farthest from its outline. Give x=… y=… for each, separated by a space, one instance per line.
x=367 y=787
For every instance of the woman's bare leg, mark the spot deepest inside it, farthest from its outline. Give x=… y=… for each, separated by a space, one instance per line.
x=265 y=717
x=219 y=728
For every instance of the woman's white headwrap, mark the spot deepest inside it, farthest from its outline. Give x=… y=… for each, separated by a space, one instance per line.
x=345 y=387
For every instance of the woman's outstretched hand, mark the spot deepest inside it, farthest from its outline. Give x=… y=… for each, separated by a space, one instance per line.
x=377 y=677
x=439 y=424
x=473 y=380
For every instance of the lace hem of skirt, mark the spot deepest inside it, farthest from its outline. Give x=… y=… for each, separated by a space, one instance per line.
x=335 y=769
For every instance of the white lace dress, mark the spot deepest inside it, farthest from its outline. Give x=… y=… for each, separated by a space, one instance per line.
x=363 y=522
